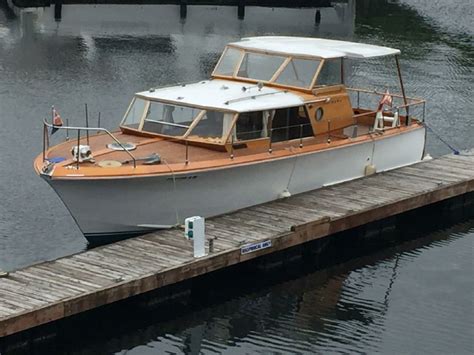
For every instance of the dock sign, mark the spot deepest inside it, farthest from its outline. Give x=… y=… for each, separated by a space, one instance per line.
x=250 y=248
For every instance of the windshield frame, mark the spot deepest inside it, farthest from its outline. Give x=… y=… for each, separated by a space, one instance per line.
x=273 y=80
x=186 y=135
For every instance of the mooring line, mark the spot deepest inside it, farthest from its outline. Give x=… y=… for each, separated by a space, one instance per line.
x=455 y=151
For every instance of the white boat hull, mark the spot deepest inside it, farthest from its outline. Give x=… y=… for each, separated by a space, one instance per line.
x=122 y=207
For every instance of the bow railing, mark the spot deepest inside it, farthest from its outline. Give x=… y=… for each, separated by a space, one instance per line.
x=47 y=125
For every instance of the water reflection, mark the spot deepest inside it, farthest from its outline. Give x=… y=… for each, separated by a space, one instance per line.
x=354 y=307
x=368 y=304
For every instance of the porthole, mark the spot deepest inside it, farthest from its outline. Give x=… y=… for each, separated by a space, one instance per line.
x=319 y=114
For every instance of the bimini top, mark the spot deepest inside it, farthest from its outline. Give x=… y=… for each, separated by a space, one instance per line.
x=313 y=47
x=224 y=95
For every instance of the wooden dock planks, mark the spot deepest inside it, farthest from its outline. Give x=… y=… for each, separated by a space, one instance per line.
x=56 y=289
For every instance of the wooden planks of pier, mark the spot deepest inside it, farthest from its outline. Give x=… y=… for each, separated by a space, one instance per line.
x=57 y=289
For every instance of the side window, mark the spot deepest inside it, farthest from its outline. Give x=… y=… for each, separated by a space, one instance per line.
x=252 y=125
x=291 y=123
x=134 y=113
x=228 y=62
x=259 y=66
x=330 y=73
x=299 y=72
x=213 y=126
x=168 y=119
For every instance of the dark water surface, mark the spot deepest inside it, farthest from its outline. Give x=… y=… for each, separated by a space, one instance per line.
x=418 y=299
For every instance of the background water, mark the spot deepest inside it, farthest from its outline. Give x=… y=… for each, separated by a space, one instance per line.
x=101 y=55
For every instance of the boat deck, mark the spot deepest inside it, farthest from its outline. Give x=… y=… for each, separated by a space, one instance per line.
x=57 y=289
x=173 y=153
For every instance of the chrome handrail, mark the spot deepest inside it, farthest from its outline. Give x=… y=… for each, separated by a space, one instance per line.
x=414 y=101
x=97 y=129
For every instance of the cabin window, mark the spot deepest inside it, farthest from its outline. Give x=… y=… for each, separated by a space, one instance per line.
x=330 y=73
x=319 y=114
x=168 y=119
x=291 y=123
x=259 y=66
x=135 y=113
x=212 y=126
x=228 y=62
x=252 y=125
x=298 y=72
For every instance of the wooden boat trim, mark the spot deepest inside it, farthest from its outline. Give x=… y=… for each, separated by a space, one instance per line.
x=142 y=118
x=93 y=173
x=281 y=69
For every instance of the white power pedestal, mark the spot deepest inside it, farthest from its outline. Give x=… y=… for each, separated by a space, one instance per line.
x=194 y=229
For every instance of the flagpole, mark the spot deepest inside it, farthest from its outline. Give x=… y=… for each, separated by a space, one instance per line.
x=87 y=124
x=342 y=70
x=403 y=88
x=67 y=129
x=98 y=122
x=45 y=132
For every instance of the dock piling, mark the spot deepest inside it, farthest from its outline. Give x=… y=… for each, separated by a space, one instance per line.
x=183 y=9
x=241 y=10
x=58 y=9
x=317 y=17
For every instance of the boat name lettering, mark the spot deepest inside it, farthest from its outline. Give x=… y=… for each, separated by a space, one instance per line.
x=250 y=248
x=335 y=101
x=190 y=177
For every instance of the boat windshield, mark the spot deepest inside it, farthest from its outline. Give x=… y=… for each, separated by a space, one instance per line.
x=134 y=114
x=159 y=117
x=272 y=68
x=178 y=121
x=168 y=119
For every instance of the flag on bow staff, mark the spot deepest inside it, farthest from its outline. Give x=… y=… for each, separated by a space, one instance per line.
x=57 y=121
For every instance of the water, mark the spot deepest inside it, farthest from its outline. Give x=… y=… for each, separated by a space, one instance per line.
x=418 y=299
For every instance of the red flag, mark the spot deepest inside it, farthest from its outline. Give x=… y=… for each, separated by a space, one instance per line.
x=57 y=121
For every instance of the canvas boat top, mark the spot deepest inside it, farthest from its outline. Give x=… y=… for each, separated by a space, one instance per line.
x=314 y=47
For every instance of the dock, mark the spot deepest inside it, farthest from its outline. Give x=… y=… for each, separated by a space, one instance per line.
x=54 y=290
x=183 y=4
